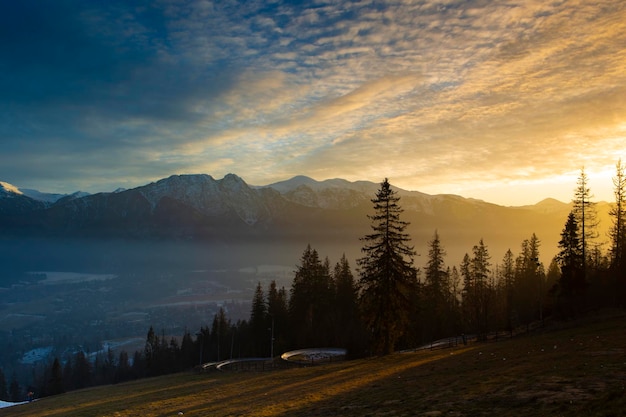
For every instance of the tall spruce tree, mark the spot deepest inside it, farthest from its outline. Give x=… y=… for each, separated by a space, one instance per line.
x=388 y=279
x=312 y=292
x=469 y=295
x=507 y=277
x=586 y=217
x=529 y=281
x=436 y=284
x=259 y=323
x=220 y=339
x=278 y=310
x=572 y=283
x=346 y=324
x=618 y=231
x=436 y=291
x=477 y=289
x=479 y=269
x=151 y=352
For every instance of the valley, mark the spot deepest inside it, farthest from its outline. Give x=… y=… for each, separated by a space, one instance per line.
x=62 y=306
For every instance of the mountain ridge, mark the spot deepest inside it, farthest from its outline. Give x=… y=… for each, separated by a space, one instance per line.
x=280 y=186
x=300 y=210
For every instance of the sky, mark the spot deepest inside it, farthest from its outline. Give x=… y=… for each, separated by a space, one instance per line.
x=501 y=100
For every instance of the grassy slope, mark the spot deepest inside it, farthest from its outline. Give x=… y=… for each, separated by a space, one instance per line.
x=576 y=370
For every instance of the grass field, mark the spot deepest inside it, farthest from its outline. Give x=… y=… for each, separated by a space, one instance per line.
x=566 y=369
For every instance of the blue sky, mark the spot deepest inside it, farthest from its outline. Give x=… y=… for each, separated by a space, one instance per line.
x=500 y=100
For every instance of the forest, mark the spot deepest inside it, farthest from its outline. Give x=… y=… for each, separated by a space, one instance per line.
x=384 y=303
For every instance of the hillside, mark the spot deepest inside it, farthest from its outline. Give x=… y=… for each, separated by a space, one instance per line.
x=566 y=369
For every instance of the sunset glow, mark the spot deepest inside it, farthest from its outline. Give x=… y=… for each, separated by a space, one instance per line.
x=503 y=101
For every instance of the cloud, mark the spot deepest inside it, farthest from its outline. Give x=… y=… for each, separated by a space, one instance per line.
x=436 y=94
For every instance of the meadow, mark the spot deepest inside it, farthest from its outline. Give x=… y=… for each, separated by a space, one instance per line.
x=572 y=368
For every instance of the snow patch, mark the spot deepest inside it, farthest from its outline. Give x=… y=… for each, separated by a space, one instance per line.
x=45 y=197
x=10 y=188
x=5 y=404
x=314 y=355
x=36 y=355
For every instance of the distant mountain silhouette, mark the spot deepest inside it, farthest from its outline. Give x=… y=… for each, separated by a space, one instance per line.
x=299 y=210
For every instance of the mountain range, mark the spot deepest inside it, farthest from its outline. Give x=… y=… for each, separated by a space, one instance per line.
x=299 y=210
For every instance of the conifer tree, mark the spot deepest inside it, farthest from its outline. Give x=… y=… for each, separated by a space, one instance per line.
x=507 y=276
x=436 y=290
x=347 y=327
x=388 y=279
x=138 y=369
x=68 y=371
x=258 y=323
x=104 y=368
x=469 y=295
x=277 y=309
x=455 y=286
x=220 y=340
x=151 y=349
x=572 y=283
x=479 y=270
x=618 y=230
x=172 y=356
x=477 y=289
x=123 y=370
x=586 y=217
x=189 y=358
x=455 y=299
x=479 y=264
x=529 y=281
x=81 y=372
x=310 y=302
x=436 y=276
x=553 y=273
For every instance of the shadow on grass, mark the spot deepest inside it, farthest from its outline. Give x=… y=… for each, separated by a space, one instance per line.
x=569 y=372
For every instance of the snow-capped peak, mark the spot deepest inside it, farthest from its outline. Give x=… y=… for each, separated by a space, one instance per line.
x=40 y=196
x=293 y=183
x=9 y=188
x=46 y=198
